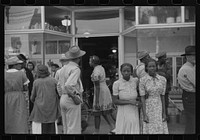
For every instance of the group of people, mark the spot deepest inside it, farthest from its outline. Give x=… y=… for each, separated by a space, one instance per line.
x=140 y=94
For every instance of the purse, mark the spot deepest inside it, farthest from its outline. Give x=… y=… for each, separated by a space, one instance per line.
x=76 y=98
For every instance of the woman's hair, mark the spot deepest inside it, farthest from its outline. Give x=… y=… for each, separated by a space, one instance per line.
x=147 y=62
x=31 y=64
x=10 y=66
x=95 y=59
x=161 y=62
x=126 y=64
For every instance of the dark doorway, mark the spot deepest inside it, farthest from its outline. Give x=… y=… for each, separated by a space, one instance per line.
x=102 y=47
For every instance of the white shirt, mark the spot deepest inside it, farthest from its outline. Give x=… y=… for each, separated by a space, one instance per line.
x=186 y=77
x=69 y=79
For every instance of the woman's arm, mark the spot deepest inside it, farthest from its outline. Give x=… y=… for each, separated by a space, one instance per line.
x=118 y=101
x=146 y=119
x=33 y=93
x=163 y=107
x=97 y=86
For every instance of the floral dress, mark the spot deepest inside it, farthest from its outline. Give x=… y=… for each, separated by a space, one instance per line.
x=154 y=87
x=127 y=121
x=105 y=99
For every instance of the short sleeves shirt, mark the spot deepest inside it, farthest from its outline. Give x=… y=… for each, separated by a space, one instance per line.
x=152 y=86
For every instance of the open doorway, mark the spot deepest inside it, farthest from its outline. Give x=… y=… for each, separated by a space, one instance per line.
x=102 y=47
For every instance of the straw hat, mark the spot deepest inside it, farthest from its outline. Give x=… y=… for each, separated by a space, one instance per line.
x=142 y=54
x=74 y=52
x=13 y=60
x=63 y=57
x=189 y=50
x=160 y=54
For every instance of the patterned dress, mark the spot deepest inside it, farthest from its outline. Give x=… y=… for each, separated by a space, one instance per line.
x=154 y=87
x=105 y=99
x=127 y=121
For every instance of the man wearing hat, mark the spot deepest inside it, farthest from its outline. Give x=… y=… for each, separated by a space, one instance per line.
x=143 y=56
x=187 y=81
x=29 y=76
x=71 y=88
x=163 y=70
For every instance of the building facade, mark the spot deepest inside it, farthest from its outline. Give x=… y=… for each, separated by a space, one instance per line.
x=45 y=32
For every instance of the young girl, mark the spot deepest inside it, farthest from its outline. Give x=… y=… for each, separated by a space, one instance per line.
x=124 y=96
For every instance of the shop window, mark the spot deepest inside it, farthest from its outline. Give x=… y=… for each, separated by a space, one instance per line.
x=169 y=65
x=189 y=14
x=57 y=19
x=97 y=22
x=35 y=47
x=51 y=47
x=63 y=46
x=159 y=14
x=129 y=16
x=22 y=17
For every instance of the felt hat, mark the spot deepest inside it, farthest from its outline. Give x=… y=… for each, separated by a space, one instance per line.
x=74 y=52
x=42 y=71
x=22 y=57
x=142 y=54
x=13 y=60
x=160 y=54
x=189 y=50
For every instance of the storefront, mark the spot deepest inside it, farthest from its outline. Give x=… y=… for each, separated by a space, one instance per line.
x=45 y=32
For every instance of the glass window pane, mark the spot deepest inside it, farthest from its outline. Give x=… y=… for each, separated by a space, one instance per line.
x=22 y=17
x=97 y=22
x=159 y=14
x=51 y=47
x=63 y=46
x=169 y=66
x=189 y=14
x=129 y=16
x=35 y=47
x=57 y=19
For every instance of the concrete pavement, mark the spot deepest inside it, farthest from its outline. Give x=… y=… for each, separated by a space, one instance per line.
x=173 y=126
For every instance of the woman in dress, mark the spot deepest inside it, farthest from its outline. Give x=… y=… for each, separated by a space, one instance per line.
x=152 y=90
x=16 y=113
x=102 y=104
x=46 y=103
x=124 y=96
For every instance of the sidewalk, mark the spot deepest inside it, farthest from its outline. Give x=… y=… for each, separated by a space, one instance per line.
x=174 y=127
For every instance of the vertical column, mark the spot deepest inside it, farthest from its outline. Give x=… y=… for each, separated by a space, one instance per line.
x=43 y=34
x=121 y=39
x=73 y=28
x=43 y=17
x=136 y=15
x=182 y=14
x=157 y=45
x=43 y=48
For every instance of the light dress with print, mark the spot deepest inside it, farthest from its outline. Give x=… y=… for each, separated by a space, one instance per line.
x=105 y=99
x=154 y=87
x=127 y=121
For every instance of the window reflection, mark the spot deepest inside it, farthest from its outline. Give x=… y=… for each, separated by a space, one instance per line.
x=22 y=17
x=54 y=19
x=159 y=14
x=189 y=13
x=129 y=16
x=51 y=47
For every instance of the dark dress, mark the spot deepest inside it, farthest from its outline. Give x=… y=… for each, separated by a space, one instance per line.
x=16 y=114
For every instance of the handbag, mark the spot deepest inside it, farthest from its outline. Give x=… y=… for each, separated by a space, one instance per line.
x=76 y=98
